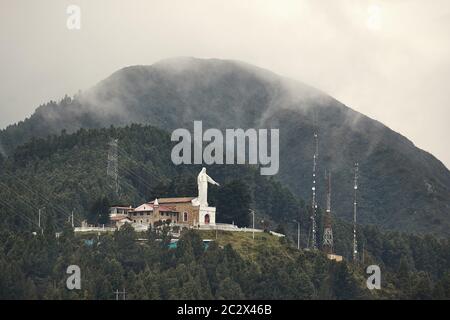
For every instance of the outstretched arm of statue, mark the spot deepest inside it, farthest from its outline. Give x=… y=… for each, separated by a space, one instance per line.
x=210 y=180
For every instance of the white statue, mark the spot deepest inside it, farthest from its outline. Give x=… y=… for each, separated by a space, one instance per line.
x=202 y=181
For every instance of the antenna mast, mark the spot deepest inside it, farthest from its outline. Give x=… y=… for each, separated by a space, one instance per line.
x=112 y=170
x=355 y=189
x=328 y=231
x=314 y=201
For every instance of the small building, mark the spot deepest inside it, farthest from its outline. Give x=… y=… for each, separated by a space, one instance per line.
x=120 y=210
x=119 y=220
x=186 y=212
x=152 y=212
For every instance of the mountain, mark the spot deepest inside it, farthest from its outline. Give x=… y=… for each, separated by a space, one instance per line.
x=401 y=186
x=66 y=173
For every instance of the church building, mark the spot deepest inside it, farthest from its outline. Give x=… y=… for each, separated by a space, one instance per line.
x=182 y=211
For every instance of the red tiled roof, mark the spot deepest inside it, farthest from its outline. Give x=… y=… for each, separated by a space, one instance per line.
x=166 y=208
x=174 y=200
x=162 y=208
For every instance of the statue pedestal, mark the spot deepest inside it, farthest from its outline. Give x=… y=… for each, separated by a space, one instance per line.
x=207 y=216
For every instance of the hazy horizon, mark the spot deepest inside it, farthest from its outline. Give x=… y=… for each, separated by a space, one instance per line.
x=386 y=59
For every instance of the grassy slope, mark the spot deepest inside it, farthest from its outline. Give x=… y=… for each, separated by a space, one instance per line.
x=244 y=244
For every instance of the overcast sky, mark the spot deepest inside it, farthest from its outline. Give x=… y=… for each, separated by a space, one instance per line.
x=387 y=59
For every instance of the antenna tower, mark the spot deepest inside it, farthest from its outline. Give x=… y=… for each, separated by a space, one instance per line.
x=355 y=189
x=328 y=231
x=314 y=201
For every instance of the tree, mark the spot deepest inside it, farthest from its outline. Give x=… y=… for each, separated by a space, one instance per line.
x=67 y=234
x=49 y=225
x=125 y=237
x=422 y=288
x=233 y=203
x=103 y=217
x=344 y=284
x=404 y=279
x=229 y=290
x=99 y=211
x=190 y=247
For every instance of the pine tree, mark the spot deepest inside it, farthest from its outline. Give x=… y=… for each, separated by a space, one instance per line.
x=229 y=290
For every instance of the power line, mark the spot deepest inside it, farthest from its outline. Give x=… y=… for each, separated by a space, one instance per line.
x=17 y=213
x=41 y=196
x=27 y=203
x=112 y=169
x=140 y=179
x=124 y=154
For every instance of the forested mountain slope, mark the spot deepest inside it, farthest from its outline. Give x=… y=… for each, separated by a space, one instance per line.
x=68 y=172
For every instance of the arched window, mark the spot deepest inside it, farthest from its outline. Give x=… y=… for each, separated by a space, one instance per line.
x=185 y=216
x=206 y=218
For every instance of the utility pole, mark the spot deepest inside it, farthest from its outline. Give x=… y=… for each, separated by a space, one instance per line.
x=253 y=223
x=363 y=253
x=39 y=219
x=117 y=293
x=298 y=234
x=72 y=219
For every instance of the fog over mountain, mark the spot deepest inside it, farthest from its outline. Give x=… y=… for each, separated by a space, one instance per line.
x=401 y=186
x=387 y=59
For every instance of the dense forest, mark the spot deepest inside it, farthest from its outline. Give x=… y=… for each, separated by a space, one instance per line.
x=62 y=174
x=34 y=267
